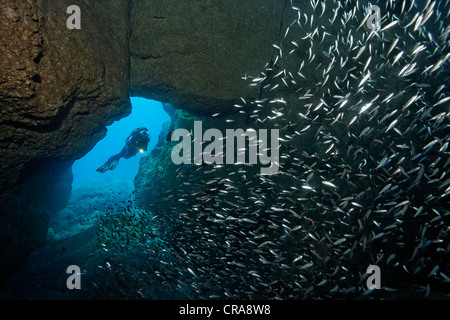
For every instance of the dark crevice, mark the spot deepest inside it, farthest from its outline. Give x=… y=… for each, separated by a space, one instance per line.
x=146 y=56
x=129 y=33
x=37 y=78
x=282 y=15
x=38 y=57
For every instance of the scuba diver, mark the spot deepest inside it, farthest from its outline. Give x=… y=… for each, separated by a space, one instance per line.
x=136 y=142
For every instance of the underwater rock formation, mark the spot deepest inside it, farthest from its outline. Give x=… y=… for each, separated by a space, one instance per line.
x=59 y=88
x=363 y=128
x=193 y=54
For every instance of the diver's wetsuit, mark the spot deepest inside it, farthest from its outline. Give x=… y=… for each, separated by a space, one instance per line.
x=136 y=141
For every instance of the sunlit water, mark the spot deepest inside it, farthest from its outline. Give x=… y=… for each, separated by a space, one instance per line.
x=145 y=113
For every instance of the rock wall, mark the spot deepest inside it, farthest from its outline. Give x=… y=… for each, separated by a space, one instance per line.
x=193 y=54
x=59 y=88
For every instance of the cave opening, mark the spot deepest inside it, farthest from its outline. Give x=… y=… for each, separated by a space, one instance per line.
x=145 y=113
x=94 y=193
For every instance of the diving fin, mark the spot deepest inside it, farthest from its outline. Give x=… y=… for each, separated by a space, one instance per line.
x=110 y=164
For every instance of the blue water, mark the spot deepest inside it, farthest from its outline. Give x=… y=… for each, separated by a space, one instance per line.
x=145 y=113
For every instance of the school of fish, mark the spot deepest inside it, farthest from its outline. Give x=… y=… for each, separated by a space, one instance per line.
x=363 y=175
